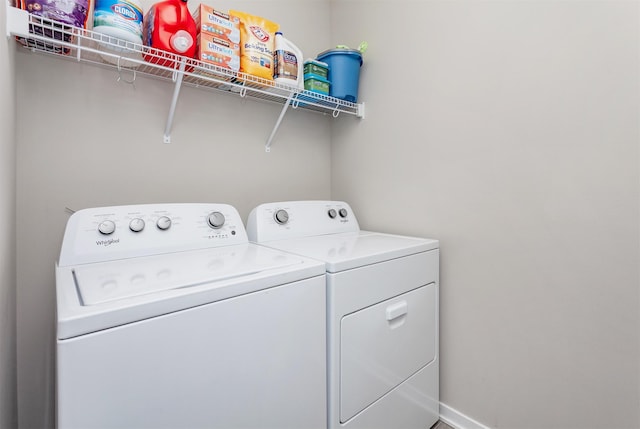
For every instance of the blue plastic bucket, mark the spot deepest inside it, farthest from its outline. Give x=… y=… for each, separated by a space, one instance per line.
x=344 y=72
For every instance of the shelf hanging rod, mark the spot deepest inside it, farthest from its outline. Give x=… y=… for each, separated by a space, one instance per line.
x=267 y=147
x=174 y=101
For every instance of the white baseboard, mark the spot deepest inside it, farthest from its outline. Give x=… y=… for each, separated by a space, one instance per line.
x=457 y=420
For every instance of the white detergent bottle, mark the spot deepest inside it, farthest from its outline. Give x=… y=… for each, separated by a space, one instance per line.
x=287 y=63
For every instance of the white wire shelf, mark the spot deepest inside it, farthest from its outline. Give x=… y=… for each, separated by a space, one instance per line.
x=130 y=60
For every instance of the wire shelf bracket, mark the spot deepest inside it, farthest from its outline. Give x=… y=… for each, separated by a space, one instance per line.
x=43 y=35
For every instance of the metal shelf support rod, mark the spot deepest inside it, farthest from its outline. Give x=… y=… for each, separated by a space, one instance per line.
x=174 y=101
x=267 y=147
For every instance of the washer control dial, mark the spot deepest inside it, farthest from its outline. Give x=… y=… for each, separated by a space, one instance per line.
x=343 y=212
x=107 y=227
x=215 y=220
x=163 y=222
x=136 y=225
x=332 y=213
x=281 y=216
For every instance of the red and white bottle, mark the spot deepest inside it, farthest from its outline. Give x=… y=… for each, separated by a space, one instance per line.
x=169 y=26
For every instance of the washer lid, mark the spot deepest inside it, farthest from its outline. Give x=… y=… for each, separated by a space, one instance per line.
x=351 y=250
x=117 y=280
x=98 y=296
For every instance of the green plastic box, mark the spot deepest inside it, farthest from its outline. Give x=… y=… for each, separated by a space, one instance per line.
x=317 y=68
x=316 y=83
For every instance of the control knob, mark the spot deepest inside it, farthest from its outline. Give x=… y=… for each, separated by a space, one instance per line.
x=281 y=216
x=215 y=220
x=163 y=222
x=106 y=227
x=343 y=212
x=136 y=225
x=332 y=213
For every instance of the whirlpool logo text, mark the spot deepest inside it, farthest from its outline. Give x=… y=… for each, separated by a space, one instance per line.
x=107 y=242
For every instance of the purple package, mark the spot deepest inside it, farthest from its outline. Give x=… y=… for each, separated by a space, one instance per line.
x=72 y=12
x=66 y=13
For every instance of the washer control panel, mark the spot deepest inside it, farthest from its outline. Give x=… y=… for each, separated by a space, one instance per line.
x=119 y=232
x=282 y=220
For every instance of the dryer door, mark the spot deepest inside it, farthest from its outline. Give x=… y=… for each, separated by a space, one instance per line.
x=383 y=345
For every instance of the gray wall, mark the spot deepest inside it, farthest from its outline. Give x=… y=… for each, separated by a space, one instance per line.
x=510 y=131
x=8 y=399
x=85 y=140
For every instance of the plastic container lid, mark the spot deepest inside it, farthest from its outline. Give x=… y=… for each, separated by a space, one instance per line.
x=320 y=63
x=340 y=51
x=315 y=77
x=181 y=41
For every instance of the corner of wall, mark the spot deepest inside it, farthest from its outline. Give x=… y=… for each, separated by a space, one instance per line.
x=8 y=380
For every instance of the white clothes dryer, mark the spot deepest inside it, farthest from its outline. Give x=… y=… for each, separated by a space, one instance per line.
x=382 y=312
x=167 y=317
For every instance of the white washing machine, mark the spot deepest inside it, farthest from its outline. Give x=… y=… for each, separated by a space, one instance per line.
x=167 y=317
x=382 y=312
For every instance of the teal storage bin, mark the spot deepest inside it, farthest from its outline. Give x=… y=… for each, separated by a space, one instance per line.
x=317 y=68
x=316 y=83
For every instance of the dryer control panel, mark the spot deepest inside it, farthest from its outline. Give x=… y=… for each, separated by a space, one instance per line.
x=292 y=219
x=120 y=232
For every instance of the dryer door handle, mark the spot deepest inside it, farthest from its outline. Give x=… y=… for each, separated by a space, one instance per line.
x=397 y=310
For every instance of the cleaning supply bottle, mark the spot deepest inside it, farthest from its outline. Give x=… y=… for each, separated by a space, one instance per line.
x=287 y=63
x=121 y=21
x=169 y=26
